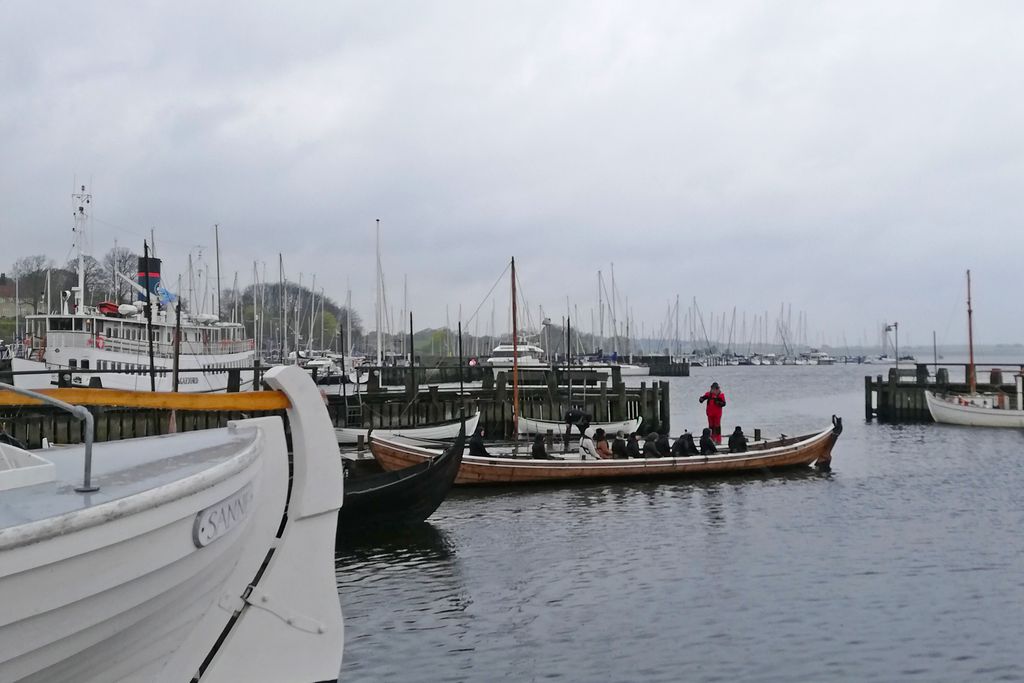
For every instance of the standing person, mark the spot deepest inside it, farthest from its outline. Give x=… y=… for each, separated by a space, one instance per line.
x=716 y=401
x=632 y=446
x=574 y=416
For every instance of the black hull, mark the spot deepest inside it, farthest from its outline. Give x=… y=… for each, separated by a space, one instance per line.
x=401 y=498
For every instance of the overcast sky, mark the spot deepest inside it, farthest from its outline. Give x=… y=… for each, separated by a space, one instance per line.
x=848 y=159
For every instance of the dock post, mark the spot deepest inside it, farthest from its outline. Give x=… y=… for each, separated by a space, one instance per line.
x=664 y=408
x=869 y=413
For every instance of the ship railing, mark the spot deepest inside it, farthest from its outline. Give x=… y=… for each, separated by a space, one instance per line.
x=80 y=413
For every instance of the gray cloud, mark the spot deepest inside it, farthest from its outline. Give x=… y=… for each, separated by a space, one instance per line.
x=852 y=160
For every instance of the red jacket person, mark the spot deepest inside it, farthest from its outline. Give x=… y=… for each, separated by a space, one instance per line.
x=716 y=401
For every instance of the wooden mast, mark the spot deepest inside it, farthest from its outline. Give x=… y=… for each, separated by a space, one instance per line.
x=515 y=357
x=971 y=376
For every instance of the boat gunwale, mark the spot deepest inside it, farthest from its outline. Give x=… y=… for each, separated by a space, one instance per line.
x=84 y=518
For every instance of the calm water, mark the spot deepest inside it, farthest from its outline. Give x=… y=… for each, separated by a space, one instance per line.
x=905 y=563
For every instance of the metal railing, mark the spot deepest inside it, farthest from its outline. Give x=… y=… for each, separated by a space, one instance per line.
x=80 y=413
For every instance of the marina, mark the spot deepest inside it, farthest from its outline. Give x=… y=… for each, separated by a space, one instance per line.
x=476 y=342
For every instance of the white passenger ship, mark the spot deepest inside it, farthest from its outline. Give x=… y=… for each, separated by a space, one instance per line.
x=112 y=338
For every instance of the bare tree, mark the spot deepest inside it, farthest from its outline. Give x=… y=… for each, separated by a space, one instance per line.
x=124 y=261
x=31 y=274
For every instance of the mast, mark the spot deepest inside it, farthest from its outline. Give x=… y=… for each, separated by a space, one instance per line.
x=515 y=358
x=615 y=325
x=216 y=247
x=81 y=200
x=283 y=292
x=149 y=315
x=380 y=306
x=971 y=377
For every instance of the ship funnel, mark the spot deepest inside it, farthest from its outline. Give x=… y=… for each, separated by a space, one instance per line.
x=148 y=266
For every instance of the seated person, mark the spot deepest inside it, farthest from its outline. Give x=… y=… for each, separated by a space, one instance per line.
x=650 y=446
x=737 y=441
x=476 y=444
x=539 y=452
x=663 y=445
x=632 y=446
x=619 y=447
x=707 y=444
x=684 y=446
x=603 y=450
x=588 y=449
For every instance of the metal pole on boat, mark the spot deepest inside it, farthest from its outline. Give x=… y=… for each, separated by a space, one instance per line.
x=461 y=387
x=149 y=316
x=176 y=363
x=80 y=413
x=971 y=374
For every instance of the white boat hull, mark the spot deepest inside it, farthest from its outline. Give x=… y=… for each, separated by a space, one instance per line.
x=531 y=426
x=440 y=432
x=157 y=571
x=953 y=411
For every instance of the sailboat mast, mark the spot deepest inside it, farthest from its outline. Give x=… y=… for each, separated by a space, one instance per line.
x=81 y=200
x=380 y=306
x=515 y=357
x=971 y=376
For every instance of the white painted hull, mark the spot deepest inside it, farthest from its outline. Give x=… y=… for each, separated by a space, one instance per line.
x=133 y=582
x=947 y=411
x=441 y=432
x=188 y=382
x=528 y=425
x=119 y=601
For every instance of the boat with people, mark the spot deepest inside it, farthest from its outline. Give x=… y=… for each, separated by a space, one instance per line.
x=396 y=453
x=439 y=431
x=976 y=409
x=204 y=556
x=122 y=346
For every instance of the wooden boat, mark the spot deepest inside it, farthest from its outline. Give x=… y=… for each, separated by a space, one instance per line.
x=402 y=497
x=974 y=409
x=442 y=431
x=394 y=453
x=171 y=558
x=532 y=426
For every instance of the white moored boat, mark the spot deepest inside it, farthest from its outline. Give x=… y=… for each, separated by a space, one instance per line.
x=109 y=344
x=528 y=355
x=443 y=431
x=171 y=558
x=974 y=409
x=528 y=425
x=977 y=410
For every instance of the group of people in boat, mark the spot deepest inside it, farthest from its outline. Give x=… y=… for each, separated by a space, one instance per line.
x=601 y=446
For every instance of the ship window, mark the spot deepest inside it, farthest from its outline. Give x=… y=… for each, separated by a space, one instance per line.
x=60 y=324
x=72 y=363
x=85 y=363
x=78 y=323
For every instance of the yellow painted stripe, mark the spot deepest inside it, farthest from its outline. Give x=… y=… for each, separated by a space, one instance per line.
x=241 y=401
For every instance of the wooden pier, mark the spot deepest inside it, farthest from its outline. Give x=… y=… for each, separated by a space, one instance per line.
x=549 y=400
x=117 y=417
x=899 y=396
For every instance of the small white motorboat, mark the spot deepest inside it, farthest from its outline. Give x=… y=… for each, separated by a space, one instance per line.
x=527 y=425
x=170 y=558
x=442 y=431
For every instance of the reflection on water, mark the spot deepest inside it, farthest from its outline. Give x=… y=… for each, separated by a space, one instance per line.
x=903 y=563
